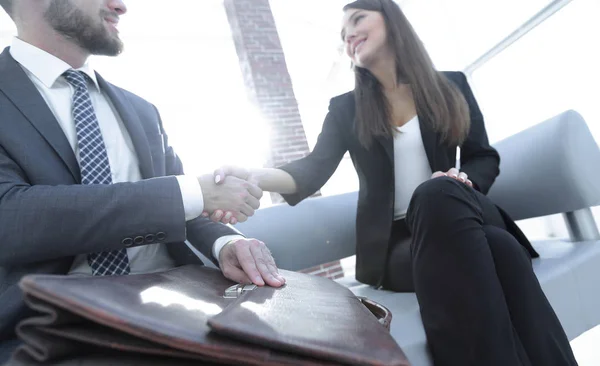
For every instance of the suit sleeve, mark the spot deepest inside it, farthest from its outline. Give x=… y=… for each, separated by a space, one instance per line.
x=313 y=171
x=44 y=222
x=202 y=233
x=478 y=159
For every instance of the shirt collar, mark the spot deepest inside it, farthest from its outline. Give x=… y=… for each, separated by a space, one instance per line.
x=44 y=66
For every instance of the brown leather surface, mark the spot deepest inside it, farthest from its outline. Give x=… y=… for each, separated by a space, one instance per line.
x=165 y=315
x=313 y=316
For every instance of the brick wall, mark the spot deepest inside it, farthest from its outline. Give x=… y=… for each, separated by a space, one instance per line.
x=267 y=79
x=331 y=270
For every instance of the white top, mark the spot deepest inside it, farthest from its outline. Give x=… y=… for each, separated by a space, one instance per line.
x=411 y=167
x=45 y=71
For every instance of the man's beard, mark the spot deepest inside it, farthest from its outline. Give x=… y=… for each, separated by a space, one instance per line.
x=74 y=24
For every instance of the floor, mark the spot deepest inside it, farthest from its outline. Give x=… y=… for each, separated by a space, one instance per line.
x=587 y=348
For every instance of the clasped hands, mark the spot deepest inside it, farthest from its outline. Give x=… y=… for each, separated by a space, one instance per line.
x=232 y=190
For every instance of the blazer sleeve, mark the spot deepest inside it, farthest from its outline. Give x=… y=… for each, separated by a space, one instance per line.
x=478 y=159
x=313 y=171
x=201 y=232
x=44 y=222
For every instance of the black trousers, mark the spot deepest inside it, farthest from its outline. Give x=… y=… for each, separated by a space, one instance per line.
x=7 y=347
x=481 y=303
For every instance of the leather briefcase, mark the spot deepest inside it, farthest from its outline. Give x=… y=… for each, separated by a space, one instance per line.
x=193 y=315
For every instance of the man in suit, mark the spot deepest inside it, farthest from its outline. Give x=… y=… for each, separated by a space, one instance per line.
x=88 y=182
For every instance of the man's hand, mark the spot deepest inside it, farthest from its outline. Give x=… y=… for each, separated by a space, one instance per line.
x=233 y=194
x=454 y=174
x=249 y=261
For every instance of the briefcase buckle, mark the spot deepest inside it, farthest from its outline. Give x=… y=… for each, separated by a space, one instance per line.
x=236 y=291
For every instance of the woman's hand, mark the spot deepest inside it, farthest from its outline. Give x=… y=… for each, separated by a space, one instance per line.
x=454 y=174
x=236 y=171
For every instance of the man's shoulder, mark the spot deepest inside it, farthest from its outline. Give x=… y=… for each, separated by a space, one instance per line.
x=132 y=98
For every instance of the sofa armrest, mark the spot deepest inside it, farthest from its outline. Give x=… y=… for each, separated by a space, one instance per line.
x=316 y=231
x=548 y=169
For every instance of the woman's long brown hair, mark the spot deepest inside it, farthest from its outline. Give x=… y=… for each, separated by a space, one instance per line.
x=436 y=98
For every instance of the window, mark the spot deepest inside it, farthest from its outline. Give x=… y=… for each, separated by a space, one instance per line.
x=551 y=69
x=188 y=67
x=456 y=33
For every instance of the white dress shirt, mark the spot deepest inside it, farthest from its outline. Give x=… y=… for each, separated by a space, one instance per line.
x=45 y=71
x=411 y=167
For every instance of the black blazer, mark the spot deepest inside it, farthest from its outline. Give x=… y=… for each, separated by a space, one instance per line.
x=375 y=168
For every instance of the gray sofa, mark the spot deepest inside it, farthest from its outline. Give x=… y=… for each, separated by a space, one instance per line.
x=551 y=168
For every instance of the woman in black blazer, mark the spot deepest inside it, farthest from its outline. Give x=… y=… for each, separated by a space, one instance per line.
x=422 y=225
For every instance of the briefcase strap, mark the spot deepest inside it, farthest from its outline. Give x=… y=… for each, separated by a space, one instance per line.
x=383 y=314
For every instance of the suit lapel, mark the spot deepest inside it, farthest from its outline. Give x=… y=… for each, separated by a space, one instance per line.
x=132 y=122
x=15 y=84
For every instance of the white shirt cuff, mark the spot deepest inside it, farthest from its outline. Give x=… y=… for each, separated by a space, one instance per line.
x=191 y=193
x=220 y=243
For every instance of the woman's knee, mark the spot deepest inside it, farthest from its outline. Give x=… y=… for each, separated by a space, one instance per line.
x=436 y=189
x=435 y=199
x=503 y=245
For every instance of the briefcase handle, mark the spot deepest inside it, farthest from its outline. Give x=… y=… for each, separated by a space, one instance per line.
x=383 y=314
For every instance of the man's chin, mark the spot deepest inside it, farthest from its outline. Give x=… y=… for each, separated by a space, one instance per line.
x=107 y=49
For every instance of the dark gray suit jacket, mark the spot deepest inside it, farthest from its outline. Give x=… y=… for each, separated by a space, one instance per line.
x=47 y=217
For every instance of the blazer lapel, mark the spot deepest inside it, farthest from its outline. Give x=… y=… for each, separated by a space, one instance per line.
x=388 y=147
x=17 y=86
x=132 y=122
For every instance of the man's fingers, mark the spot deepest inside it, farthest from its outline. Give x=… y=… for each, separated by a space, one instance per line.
x=261 y=264
x=240 y=217
x=270 y=261
x=462 y=176
x=236 y=274
x=469 y=183
x=253 y=202
x=217 y=215
x=246 y=259
x=247 y=210
x=438 y=174
x=227 y=217
x=254 y=190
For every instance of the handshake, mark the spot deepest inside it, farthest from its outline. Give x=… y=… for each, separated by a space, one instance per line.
x=231 y=195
